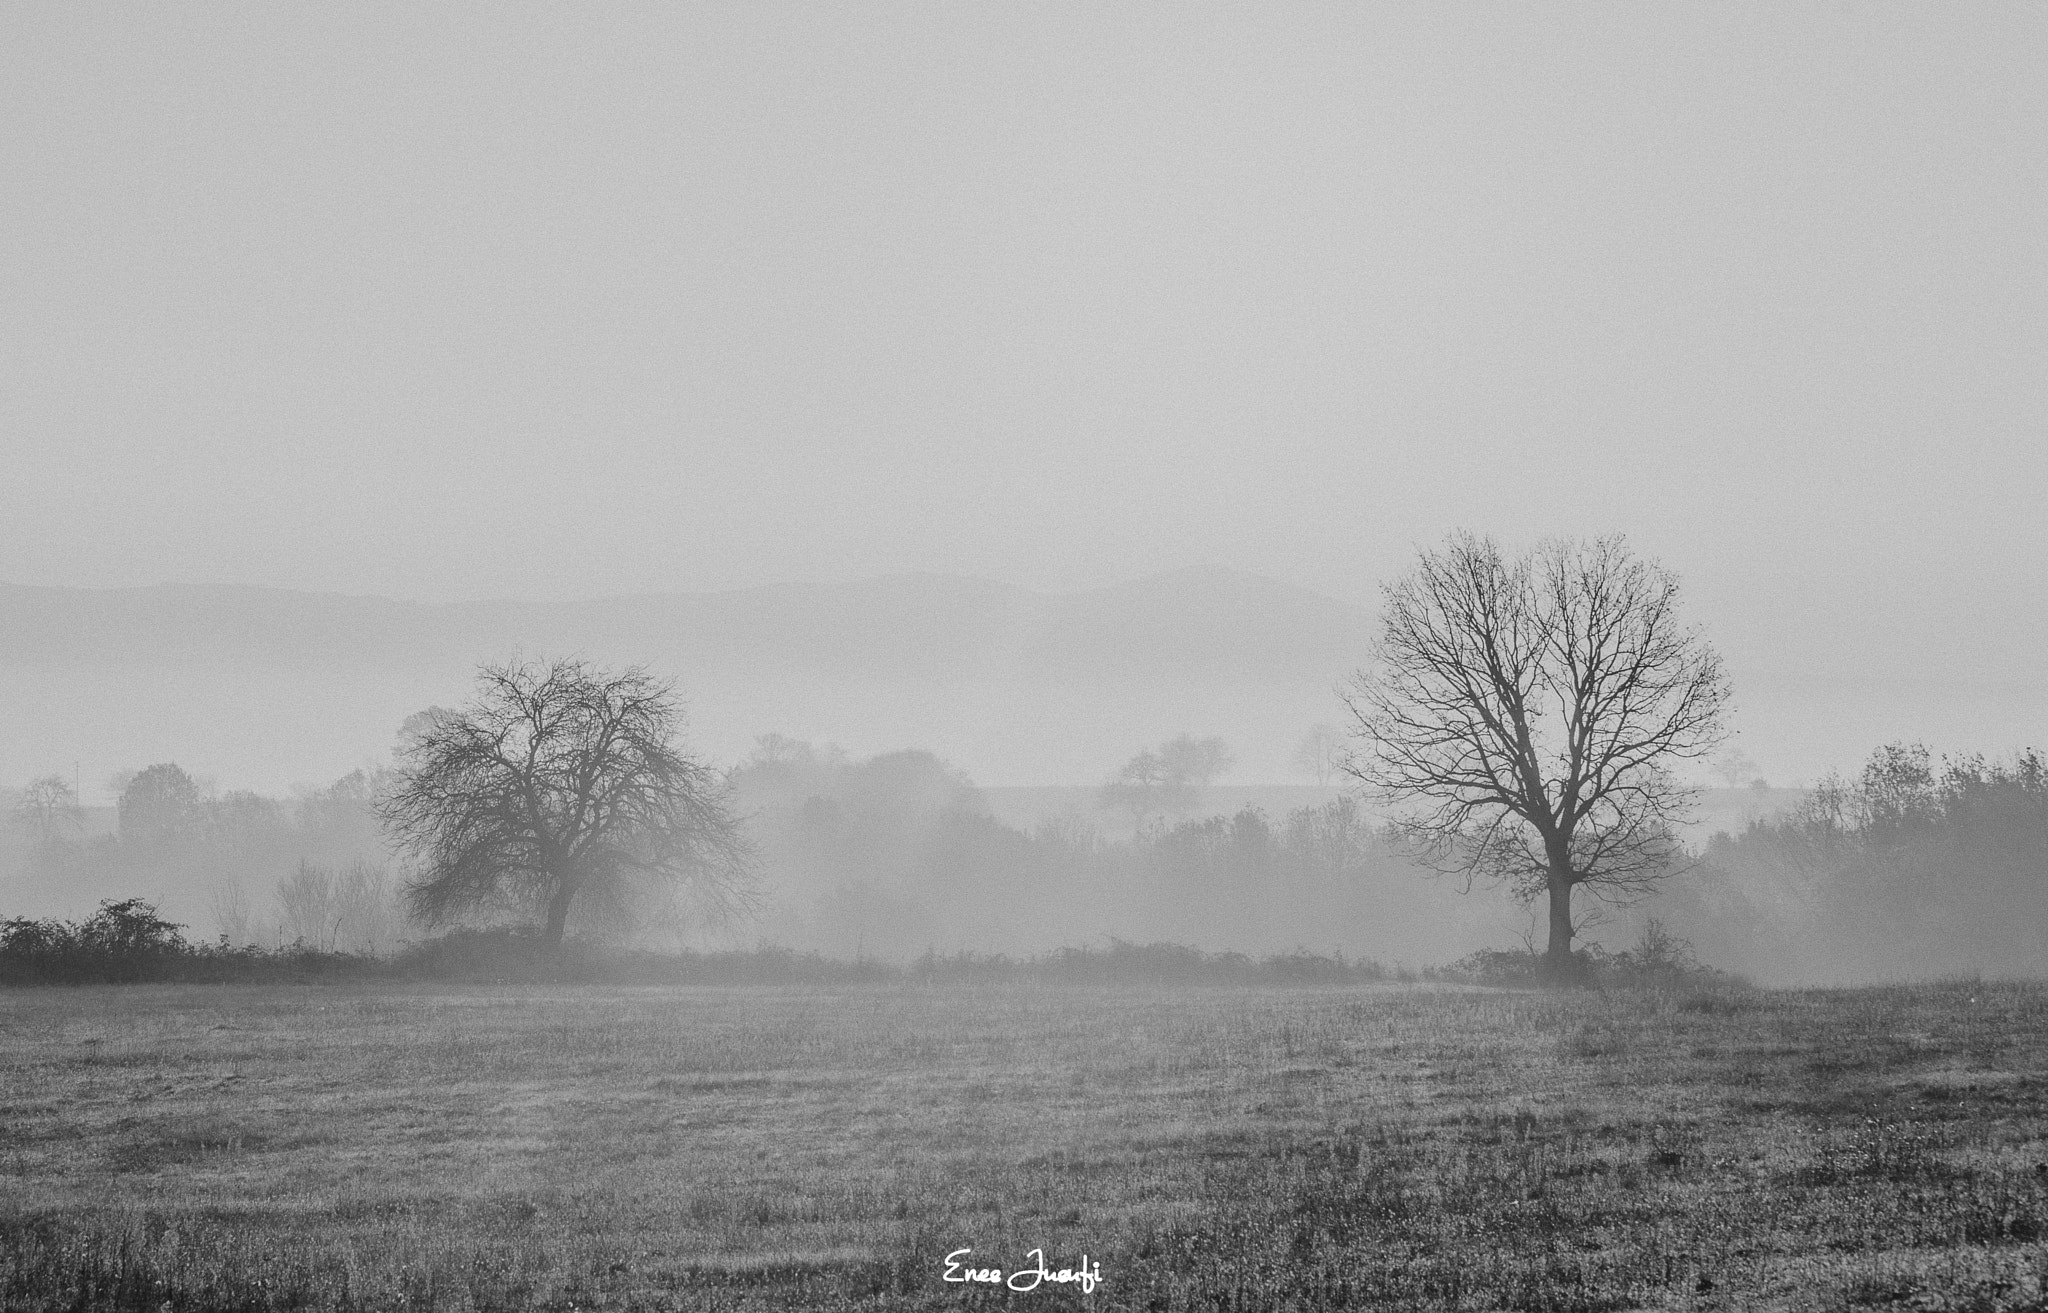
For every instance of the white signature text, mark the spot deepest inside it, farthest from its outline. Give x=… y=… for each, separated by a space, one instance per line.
x=1086 y=1276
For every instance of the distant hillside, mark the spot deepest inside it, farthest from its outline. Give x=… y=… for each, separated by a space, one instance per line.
x=264 y=688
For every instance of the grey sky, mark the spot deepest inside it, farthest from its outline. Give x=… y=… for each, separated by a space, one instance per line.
x=440 y=302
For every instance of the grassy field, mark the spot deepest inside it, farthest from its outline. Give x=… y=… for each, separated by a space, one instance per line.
x=1396 y=1146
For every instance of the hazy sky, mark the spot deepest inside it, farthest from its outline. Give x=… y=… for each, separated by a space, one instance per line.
x=442 y=301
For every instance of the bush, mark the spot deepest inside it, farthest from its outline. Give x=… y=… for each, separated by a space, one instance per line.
x=1659 y=959
x=124 y=940
x=1501 y=968
x=506 y=955
x=128 y=942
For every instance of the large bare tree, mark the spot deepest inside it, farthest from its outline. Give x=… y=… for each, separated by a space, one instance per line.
x=1522 y=717
x=561 y=782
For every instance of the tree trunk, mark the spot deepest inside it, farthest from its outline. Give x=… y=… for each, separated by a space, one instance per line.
x=558 y=912
x=1559 y=966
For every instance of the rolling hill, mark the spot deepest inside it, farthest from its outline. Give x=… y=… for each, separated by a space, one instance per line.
x=263 y=688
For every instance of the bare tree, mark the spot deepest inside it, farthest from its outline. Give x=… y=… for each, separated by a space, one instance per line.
x=559 y=782
x=1140 y=786
x=348 y=911
x=1169 y=779
x=48 y=809
x=1522 y=717
x=230 y=907
x=1735 y=768
x=1321 y=753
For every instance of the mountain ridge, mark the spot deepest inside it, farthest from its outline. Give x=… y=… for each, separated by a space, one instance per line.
x=1012 y=683
x=266 y=688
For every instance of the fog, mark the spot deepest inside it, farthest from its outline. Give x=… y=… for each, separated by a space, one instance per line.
x=1002 y=393
x=269 y=690
x=1917 y=866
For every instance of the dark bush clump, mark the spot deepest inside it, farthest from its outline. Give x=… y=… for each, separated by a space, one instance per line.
x=120 y=942
x=128 y=942
x=1659 y=959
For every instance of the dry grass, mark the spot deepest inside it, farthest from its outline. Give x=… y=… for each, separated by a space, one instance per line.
x=383 y=1146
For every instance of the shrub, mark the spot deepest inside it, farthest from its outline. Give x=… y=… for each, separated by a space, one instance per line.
x=129 y=941
x=1660 y=959
x=1501 y=968
x=124 y=940
x=504 y=955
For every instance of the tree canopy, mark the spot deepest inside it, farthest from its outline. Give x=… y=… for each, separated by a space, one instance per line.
x=1168 y=779
x=563 y=784
x=160 y=805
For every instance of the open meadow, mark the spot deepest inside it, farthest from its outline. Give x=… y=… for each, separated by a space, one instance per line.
x=393 y=1146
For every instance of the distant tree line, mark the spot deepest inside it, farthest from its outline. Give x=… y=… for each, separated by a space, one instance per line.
x=897 y=854
x=1917 y=866
x=1914 y=868
x=562 y=800
x=271 y=870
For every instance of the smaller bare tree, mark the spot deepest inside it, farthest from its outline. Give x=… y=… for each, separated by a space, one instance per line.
x=1321 y=753
x=1168 y=779
x=349 y=911
x=231 y=915
x=47 y=810
x=1735 y=768
x=563 y=784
